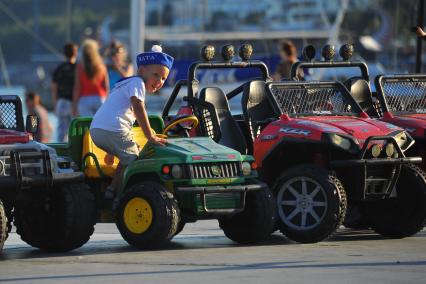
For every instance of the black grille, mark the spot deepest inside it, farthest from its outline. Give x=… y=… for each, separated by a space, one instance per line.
x=11 y=113
x=205 y=170
x=30 y=166
x=8 y=118
x=206 y=113
x=405 y=94
x=207 y=122
x=311 y=99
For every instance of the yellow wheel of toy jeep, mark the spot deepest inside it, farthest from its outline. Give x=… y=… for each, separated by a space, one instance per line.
x=147 y=215
x=137 y=215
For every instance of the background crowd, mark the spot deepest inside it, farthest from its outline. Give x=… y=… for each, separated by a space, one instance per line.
x=80 y=85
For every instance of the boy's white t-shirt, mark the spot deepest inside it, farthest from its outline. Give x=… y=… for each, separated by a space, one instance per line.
x=116 y=113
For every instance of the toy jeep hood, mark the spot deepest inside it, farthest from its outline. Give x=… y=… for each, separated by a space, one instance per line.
x=312 y=128
x=359 y=128
x=415 y=124
x=193 y=149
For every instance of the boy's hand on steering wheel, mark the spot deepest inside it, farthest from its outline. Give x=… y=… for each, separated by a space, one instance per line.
x=157 y=140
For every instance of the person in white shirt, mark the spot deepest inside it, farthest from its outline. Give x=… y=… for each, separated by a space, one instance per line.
x=111 y=127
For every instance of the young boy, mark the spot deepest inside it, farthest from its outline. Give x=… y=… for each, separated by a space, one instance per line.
x=111 y=127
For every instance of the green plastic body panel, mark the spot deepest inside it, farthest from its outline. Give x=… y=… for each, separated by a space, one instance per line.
x=185 y=152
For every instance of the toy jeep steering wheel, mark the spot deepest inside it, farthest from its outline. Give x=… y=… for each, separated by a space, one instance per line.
x=182 y=123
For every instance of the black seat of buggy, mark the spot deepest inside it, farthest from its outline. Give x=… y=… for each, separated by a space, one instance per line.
x=231 y=135
x=361 y=92
x=257 y=106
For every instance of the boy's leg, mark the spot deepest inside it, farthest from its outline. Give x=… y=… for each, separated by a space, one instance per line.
x=109 y=159
x=118 y=145
x=117 y=180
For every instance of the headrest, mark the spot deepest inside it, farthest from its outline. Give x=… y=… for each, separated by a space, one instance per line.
x=215 y=96
x=255 y=91
x=156 y=56
x=359 y=89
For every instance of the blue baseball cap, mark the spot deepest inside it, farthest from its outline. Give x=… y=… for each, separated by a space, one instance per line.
x=156 y=56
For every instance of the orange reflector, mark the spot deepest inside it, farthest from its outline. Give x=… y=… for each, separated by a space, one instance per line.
x=166 y=170
x=253 y=165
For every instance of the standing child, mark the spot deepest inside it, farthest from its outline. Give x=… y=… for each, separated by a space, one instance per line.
x=34 y=107
x=111 y=128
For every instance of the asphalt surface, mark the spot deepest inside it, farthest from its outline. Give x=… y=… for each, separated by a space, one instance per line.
x=201 y=253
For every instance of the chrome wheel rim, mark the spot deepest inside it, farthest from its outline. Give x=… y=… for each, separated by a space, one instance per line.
x=302 y=203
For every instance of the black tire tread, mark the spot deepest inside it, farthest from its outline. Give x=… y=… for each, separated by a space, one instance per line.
x=256 y=222
x=407 y=227
x=3 y=225
x=79 y=222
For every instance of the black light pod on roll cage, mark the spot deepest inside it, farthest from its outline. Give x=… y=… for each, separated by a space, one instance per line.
x=346 y=51
x=208 y=52
x=245 y=52
x=228 y=52
x=328 y=52
x=309 y=52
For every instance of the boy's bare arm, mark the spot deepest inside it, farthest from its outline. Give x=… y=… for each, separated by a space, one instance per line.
x=143 y=121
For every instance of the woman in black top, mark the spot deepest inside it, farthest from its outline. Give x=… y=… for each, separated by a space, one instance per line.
x=62 y=90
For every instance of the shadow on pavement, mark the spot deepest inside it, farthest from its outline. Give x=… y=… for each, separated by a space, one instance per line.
x=220 y=268
x=184 y=242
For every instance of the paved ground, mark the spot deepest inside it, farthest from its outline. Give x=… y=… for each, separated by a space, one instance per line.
x=201 y=253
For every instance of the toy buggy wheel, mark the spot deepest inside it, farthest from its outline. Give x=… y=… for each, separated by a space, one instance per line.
x=405 y=214
x=61 y=222
x=356 y=218
x=148 y=215
x=3 y=225
x=180 y=227
x=311 y=203
x=255 y=223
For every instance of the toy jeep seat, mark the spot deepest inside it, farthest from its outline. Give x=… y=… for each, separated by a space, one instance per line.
x=361 y=92
x=257 y=107
x=231 y=135
x=94 y=158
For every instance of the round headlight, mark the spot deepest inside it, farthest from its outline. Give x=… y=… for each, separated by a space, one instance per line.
x=390 y=149
x=246 y=167
x=340 y=141
x=376 y=150
x=177 y=171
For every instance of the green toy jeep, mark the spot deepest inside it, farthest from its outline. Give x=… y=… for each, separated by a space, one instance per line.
x=187 y=180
